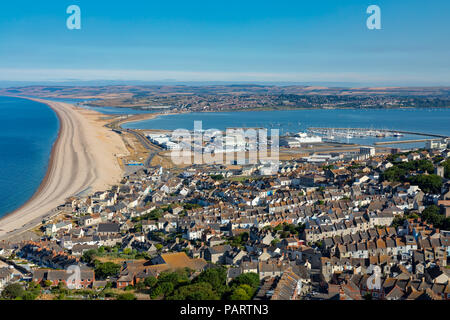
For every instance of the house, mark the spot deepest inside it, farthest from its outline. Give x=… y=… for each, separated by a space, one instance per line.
x=6 y=276
x=288 y=287
x=233 y=273
x=292 y=242
x=216 y=254
x=234 y=257
x=87 y=277
x=105 y=229
x=53 y=228
x=179 y=260
x=90 y=220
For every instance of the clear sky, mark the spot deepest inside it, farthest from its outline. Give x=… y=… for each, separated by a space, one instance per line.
x=227 y=40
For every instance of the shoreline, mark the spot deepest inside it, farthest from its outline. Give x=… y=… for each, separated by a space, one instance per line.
x=50 y=163
x=83 y=156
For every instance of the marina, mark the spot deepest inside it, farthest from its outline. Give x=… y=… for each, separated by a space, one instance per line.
x=367 y=132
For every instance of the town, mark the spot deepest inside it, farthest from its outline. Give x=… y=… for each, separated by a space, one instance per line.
x=360 y=226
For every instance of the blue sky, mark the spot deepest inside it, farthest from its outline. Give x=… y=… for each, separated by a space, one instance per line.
x=301 y=41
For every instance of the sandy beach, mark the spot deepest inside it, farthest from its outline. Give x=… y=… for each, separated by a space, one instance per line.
x=84 y=158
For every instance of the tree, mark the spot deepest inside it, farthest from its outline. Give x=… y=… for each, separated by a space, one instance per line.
x=164 y=288
x=126 y=296
x=176 y=278
x=428 y=183
x=139 y=285
x=150 y=281
x=216 y=277
x=89 y=256
x=196 y=291
x=13 y=291
x=107 y=269
x=398 y=221
x=47 y=283
x=240 y=294
x=274 y=242
x=28 y=295
x=249 y=278
x=432 y=215
x=400 y=170
x=446 y=165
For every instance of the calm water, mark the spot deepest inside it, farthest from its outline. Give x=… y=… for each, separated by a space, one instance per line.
x=117 y=110
x=28 y=130
x=435 y=121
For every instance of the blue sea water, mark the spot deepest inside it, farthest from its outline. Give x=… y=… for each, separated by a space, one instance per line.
x=433 y=121
x=117 y=110
x=28 y=130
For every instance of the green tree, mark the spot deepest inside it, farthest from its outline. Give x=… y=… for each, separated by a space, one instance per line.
x=196 y=291
x=432 y=215
x=162 y=289
x=29 y=295
x=398 y=221
x=107 y=269
x=13 y=291
x=248 y=278
x=176 y=278
x=446 y=165
x=126 y=296
x=427 y=183
x=89 y=256
x=150 y=282
x=216 y=277
x=240 y=294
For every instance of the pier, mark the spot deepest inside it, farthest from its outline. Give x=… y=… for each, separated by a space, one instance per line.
x=401 y=141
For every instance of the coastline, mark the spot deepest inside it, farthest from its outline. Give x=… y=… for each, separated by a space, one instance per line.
x=50 y=163
x=75 y=164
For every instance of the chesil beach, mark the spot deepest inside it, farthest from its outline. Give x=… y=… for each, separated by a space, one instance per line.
x=83 y=158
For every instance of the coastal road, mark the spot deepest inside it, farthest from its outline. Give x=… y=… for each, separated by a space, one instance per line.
x=154 y=150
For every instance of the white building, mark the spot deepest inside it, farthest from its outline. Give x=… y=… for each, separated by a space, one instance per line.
x=369 y=151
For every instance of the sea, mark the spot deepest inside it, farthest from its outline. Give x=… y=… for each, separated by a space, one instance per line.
x=431 y=121
x=28 y=130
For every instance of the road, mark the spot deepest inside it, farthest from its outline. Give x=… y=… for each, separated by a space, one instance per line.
x=154 y=150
